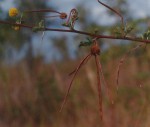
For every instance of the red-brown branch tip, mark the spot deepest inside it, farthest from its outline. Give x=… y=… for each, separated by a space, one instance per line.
x=123 y=59
x=70 y=84
x=99 y=87
x=113 y=10
x=41 y=10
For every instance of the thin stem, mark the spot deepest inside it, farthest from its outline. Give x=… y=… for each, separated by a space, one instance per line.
x=70 y=84
x=69 y=17
x=99 y=88
x=122 y=20
x=42 y=10
x=105 y=83
x=11 y=23
x=81 y=32
x=100 y=36
x=87 y=59
x=53 y=16
x=123 y=60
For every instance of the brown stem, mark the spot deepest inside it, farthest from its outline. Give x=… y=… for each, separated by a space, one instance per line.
x=68 y=18
x=15 y=24
x=81 y=32
x=70 y=84
x=105 y=83
x=99 y=88
x=123 y=60
x=53 y=16
x=122 y=20
x=87 y=59
x=42 y=10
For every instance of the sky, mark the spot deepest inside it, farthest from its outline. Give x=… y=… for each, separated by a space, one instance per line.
x=139 y=9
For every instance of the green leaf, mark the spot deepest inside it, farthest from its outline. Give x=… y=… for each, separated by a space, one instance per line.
x=146 y=35
x=88 y=42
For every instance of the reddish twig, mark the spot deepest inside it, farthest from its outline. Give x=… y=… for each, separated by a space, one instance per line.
x=95 y=51
x=80 y=32
x=105 y=83
x=42 y=10
x=62 y=15
x=113 y=10
x=99 y=87
x=122 y=61
x=70 y=84
x=87 y=59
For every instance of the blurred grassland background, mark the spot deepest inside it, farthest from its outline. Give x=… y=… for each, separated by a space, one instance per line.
x=34 y=75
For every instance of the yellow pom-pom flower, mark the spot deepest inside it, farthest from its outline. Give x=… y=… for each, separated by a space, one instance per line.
x=13 y=12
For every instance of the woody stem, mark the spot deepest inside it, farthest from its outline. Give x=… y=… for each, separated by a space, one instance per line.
x=99 y=88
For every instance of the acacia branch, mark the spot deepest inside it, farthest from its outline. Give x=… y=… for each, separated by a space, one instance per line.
x=98 y=36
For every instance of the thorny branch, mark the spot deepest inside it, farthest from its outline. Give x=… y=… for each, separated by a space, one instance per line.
x=95 y=49
x=136 y=39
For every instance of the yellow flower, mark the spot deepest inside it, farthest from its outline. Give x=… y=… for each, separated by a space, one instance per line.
x=13 y=12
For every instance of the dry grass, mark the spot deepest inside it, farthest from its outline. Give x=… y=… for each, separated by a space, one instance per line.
x=32 y=97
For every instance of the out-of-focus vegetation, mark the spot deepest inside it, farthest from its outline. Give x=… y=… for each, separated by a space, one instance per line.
x=31 y=98
x=32 y=91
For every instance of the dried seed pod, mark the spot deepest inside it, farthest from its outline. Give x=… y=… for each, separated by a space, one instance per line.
x=95 y=50
x=63 y=15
